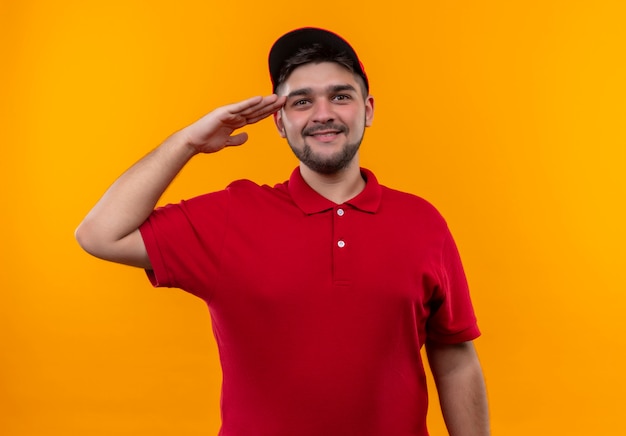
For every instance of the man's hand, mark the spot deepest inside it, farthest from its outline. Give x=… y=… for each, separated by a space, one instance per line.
x=214 y=131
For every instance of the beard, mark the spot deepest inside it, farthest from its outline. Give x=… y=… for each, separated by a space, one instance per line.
x=326 y=164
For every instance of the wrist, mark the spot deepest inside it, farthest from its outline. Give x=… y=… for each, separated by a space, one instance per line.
x=181 y=140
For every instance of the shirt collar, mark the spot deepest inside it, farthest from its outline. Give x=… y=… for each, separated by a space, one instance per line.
x=311 y=202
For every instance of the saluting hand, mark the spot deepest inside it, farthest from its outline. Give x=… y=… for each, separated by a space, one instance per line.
x=214 y=131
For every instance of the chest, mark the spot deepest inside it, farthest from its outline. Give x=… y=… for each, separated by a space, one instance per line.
x=296 y=258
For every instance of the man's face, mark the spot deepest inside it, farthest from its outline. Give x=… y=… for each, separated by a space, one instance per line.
x=325 y=116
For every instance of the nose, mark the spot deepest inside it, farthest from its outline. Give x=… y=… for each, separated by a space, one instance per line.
x=323 y=112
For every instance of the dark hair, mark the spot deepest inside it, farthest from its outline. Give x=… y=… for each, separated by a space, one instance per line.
x=318 y=53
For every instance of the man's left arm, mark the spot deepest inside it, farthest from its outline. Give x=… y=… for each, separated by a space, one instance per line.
x=461 y=388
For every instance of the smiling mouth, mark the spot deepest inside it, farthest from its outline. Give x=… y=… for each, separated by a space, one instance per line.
x=325 y=136
x=325 y=132
x=328 y=134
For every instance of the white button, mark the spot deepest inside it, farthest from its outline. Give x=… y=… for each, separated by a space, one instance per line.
x=340 y=212
x=341 y=244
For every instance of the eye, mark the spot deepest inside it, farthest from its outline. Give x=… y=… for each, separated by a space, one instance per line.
x=300 y=102
x=342 y=97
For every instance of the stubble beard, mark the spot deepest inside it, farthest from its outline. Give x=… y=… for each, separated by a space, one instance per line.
x=330 y=164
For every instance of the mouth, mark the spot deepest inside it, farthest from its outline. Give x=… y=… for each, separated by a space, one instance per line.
x=325 y=134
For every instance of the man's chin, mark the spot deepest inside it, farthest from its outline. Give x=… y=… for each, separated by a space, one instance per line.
x=331 y=165
x=321 y=158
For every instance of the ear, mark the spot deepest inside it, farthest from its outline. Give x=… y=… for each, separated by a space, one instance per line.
x=369 y=110
x=278 y=121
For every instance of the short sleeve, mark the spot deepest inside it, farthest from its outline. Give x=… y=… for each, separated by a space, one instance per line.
x=452 y=318
x=184 y=242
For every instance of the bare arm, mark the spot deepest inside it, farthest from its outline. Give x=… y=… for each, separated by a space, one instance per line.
x=461 y=387
x=110 y=229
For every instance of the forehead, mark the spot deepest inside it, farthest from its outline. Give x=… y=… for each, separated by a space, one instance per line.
x=318 y=76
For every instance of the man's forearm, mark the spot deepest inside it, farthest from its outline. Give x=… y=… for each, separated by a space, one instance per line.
x=461 y=388
x=133 y=196
x=464 y=403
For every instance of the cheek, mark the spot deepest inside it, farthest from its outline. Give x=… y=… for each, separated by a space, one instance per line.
x=353 y=117
x=293 y=124
x=289 y=131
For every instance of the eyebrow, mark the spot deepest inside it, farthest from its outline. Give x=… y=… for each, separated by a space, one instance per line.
x=331 y=89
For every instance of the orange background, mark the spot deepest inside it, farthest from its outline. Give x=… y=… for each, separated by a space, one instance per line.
x=508 y=115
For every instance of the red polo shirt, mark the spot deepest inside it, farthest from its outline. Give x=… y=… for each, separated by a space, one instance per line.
x=319 y=309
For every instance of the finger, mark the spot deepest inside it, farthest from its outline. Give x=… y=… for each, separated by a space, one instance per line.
x=262 y=105
x=264 y=111
x=235 y=140
x=244 y=105
x=253 y=109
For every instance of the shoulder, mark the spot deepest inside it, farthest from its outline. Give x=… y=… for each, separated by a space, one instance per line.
x=249 y=190
x=241 y=188
x=410 y=203
x=239 y=193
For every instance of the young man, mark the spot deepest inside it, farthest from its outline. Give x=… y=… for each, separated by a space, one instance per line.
x=323 y=289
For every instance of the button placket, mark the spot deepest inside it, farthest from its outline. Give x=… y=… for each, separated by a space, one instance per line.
x=341 y=243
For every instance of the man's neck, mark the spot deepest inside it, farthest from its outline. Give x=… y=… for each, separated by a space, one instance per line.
x=338 y=187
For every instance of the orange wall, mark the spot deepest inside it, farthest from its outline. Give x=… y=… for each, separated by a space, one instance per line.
x=509 y=116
